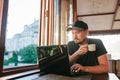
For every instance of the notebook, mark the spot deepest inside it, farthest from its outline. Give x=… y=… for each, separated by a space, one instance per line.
x=54 y=59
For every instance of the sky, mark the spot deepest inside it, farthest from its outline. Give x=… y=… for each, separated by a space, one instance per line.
x=20 y=13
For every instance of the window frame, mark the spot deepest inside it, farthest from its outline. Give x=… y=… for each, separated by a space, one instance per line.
x=3 y=30
x=47 y=11
x=9 y=71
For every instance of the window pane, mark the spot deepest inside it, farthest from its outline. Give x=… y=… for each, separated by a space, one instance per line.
x=111 y=42
x=61 y=14
x=22 y=33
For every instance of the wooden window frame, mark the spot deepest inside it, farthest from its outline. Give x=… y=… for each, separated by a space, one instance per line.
x=49 y=35
x=9 y=71
x=3 y=30
x=46 y=24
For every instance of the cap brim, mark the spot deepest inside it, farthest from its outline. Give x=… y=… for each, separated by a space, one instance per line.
x=70 y=28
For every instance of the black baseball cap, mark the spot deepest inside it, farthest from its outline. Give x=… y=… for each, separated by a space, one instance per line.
x=78 y=25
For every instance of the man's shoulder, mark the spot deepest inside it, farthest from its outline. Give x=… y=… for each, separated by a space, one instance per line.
x=94 y=41
x=71 y=43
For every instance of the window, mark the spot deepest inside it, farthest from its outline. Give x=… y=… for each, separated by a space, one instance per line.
x=111 y=42
x=54 y=21
x=21 y=33
x=61 y=19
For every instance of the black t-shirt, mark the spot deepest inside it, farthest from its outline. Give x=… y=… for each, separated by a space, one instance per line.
x=90 y=58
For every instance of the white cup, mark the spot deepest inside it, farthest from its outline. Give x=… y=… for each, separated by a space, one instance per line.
x=91 y=47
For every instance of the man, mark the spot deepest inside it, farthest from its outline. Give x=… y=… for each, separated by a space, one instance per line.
x=80 y=58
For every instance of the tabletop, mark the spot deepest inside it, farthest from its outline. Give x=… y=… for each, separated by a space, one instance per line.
x=107 y=76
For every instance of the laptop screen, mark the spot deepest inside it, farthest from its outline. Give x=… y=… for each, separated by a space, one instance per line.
x=48 y=51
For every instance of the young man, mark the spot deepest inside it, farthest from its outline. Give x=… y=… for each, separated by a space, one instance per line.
x=80 y=58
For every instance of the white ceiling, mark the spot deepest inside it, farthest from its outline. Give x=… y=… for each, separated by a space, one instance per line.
x=100 y=15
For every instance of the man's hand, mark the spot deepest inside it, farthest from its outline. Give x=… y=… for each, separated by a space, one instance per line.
x=83 y=49
x=77 y=68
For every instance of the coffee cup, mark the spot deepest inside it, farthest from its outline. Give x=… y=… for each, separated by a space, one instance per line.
x=91 y=47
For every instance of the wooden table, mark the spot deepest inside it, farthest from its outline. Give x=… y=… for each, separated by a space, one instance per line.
x=109 y=76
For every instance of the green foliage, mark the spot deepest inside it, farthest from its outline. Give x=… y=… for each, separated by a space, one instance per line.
x=6 y=53
x=6 y=62
x=29 y=54
x=14 y=58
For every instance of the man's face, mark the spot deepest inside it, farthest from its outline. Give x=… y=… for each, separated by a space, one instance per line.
x=79 y=35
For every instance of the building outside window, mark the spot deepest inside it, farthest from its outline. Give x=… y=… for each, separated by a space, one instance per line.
x=22 y=33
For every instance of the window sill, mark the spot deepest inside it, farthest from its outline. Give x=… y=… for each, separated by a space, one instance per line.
x=19 y=75
x=12 y=71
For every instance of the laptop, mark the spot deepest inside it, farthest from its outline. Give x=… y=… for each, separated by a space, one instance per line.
x=54 y=59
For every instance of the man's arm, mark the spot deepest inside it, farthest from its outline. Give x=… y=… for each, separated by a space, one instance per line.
x=82 y=50
x=73 y=57
x=101 y=68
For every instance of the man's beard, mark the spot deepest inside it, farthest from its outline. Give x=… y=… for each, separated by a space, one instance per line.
x=78 y=41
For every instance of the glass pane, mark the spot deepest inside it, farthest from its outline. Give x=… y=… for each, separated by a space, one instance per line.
x=22 y=33
x=61 y=15
x=111 y=42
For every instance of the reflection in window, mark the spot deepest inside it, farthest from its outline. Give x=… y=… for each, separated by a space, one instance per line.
x=22 y=33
